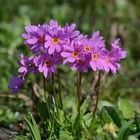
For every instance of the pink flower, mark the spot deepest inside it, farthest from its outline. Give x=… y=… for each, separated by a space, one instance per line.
x=47 y=63
x=112 y=58
x=72 y=52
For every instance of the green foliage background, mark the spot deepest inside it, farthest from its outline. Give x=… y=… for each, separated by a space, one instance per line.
x=113 y=18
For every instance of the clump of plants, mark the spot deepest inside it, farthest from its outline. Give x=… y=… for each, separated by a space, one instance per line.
x=52 y=45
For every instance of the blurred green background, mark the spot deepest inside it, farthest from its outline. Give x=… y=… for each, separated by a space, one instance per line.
x=113 y=18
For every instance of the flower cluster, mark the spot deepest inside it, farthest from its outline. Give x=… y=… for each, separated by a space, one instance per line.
x=52 y=45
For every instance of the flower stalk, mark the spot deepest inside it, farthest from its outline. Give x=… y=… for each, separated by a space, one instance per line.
x=55 y=96
x=59 y=91
x=78 y=118
x=45 y=96
x=78 y=92
x=97 y=92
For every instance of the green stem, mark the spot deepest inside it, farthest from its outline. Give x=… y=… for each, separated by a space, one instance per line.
x=78 y=92
x=60 y=96
x=52 y=124
x=55 y=95
x=46 y=97
x=78 y=128
x=97 y=90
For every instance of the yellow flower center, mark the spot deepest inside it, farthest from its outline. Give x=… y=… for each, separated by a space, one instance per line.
x=79 y=62
x=47 y=62
x=55 y=40
x=94 y=56
x=42 y=39
x=87 y=49
x=107 y=60
x=75 y=54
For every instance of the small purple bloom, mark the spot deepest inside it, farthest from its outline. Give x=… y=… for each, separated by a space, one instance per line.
x=55 y=40
x=88 y=46
x=97 y=39
x=81 y=65
x=46 y=63
x=27 y=65
x=15 y=84
x=35 y=37
x=96 y=61
x=111 y=58
x=70 y=31
x=110 y=62
x=116 y=50
x=53 y=24
x=72 y=53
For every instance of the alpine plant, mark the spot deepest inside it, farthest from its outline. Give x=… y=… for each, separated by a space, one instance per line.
x=52 y=45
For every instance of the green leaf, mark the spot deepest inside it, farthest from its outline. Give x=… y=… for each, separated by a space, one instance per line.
x=65 y=135
x=36 y=129
x=30 y=128
x=62 y=117
x=114 y=115
x=43 y=111
x=86 y=120
x=127 y=108
x=33 y=128
x=103 y=103
x=84 y=107
x=123 y=132
x=132 y=137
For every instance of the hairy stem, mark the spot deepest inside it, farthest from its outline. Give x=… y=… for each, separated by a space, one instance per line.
x=55 y=95
x=46 y=97
x=78 y=126
x=78 y=92
x=52 y=124
x=97 y=91
x=59 y=88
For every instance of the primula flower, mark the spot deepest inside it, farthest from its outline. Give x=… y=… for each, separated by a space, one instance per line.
x=110 y=62
x=112 y=58
x=72 y=53
x=15 y=84
x=47 y=63
x=81 y=65
x=51 y=43
x=27 y=65
x=54 y=24
x=117 y=50
x=35 y=37
x=55 y=40
x=88 y=46
x=97 y=40
x=70 y=31
x=96 y=61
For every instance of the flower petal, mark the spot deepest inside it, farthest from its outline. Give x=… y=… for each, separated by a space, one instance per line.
x=65 y=54
x=93 y=66
x=32 y=41
x=51 y=49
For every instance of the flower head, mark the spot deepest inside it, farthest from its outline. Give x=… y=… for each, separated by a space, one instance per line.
x=117 y=51
x=53 y=24
x=35 y=37
x=81 y=65
x=112 y=58
x=70 y=31
x=97 y=39
x=27 y=65
x=55 y=40
x=72 y=53
x=96 y=61
x=46 y=63
x=15 y=84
